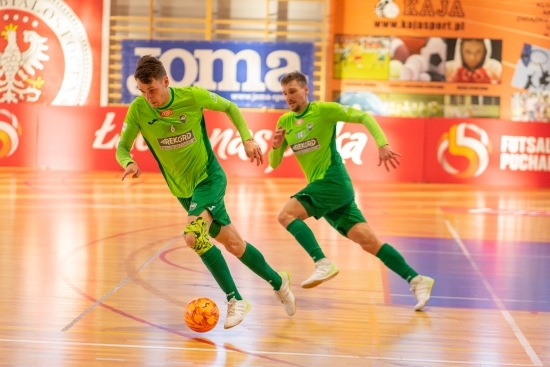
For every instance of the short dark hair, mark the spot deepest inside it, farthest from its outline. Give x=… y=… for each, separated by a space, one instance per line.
x=294 y=75
x=148 y=68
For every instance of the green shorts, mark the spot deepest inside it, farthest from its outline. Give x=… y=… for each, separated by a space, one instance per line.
x=332 y=200
x=209 y=195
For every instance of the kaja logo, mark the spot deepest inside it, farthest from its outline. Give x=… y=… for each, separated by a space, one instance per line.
x=467 y=147
x=46 y=56
x=10 y=131
x=386 y=9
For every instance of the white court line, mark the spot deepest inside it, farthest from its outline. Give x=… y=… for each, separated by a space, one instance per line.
x=469 y=298
x=261 y=352
x=509 y=319
x=118 y=286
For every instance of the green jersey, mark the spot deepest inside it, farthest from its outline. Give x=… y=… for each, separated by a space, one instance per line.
x=312 y=137
x=176 y=135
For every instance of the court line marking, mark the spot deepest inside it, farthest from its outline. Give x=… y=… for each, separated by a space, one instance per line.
x=507 y=316
x=120 y=284
x=260 y=352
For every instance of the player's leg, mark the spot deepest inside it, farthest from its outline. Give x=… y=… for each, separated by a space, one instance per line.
x=196 y=237
x=252 y=258
x=350 y=222
x=292 y=217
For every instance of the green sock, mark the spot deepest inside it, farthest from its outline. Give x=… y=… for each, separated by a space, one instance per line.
x=393 y=260
x=215 y=262
x=255 y=261
x=306 y=239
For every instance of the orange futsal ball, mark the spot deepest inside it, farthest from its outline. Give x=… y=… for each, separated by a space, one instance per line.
x=201 y=314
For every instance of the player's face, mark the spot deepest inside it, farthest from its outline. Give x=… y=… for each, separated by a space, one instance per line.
x=156 y=92
x=296 y=96
x=472 y=53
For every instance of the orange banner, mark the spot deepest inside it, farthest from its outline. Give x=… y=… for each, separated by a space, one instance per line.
x=467 y=58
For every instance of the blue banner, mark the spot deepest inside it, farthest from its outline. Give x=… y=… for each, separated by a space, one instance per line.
x=246 y=73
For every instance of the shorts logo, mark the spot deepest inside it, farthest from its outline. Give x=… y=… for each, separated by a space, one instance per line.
x=178 y=141
x=40 y=39
x=192 y=206
x=10 y=131
x=470 y=143
x=305 y=146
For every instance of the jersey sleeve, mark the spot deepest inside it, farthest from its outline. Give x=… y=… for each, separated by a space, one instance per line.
x=275 y=156
x=337 y=112
x=214 y=102
x=130 y=130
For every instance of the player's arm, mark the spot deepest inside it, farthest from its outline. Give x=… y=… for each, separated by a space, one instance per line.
x=278 y=146
x=338 y=112
x=214 y=102
x=129 y=133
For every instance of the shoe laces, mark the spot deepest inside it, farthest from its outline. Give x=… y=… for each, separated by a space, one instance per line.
x=282 y=294
x=321 y=269
x=234 y=307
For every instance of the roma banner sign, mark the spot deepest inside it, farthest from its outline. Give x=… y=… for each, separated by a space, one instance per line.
x=246 y=73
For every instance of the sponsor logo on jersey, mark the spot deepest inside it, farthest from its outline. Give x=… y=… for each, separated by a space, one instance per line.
x=152 y=122
x=166 y=113
x=178 y=141
x=305 y=146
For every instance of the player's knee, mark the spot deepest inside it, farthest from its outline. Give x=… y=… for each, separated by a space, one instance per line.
x=196 y=237
x=285 y=218
x=235 y=246
x=190 y=239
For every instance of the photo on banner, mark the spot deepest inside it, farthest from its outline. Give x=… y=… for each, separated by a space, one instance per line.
x=361 y=57
x=473 y=60
x=532 y=69
x=471 y=106
x=415 y=105
x=531 y=106
x=418 y=59
x=373 y=103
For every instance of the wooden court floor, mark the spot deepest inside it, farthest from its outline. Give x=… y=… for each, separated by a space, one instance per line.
x=94 y=272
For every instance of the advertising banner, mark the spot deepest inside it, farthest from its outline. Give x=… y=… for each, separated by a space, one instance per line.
x=51 y=52
x=480 y=151
x=247 y=73
x=456 y=58
x=439 y=150
x=18 y=135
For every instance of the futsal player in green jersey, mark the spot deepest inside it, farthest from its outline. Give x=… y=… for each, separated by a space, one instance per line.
x=310 y=131
x=172 y=123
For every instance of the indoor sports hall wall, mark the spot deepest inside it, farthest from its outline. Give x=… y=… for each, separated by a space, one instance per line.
x=437 y=150
x=65 y=80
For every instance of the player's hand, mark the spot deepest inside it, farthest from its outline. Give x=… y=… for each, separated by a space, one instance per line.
x=253 y=151
x=388 y=156
x=132 y=169
x=278 y=138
